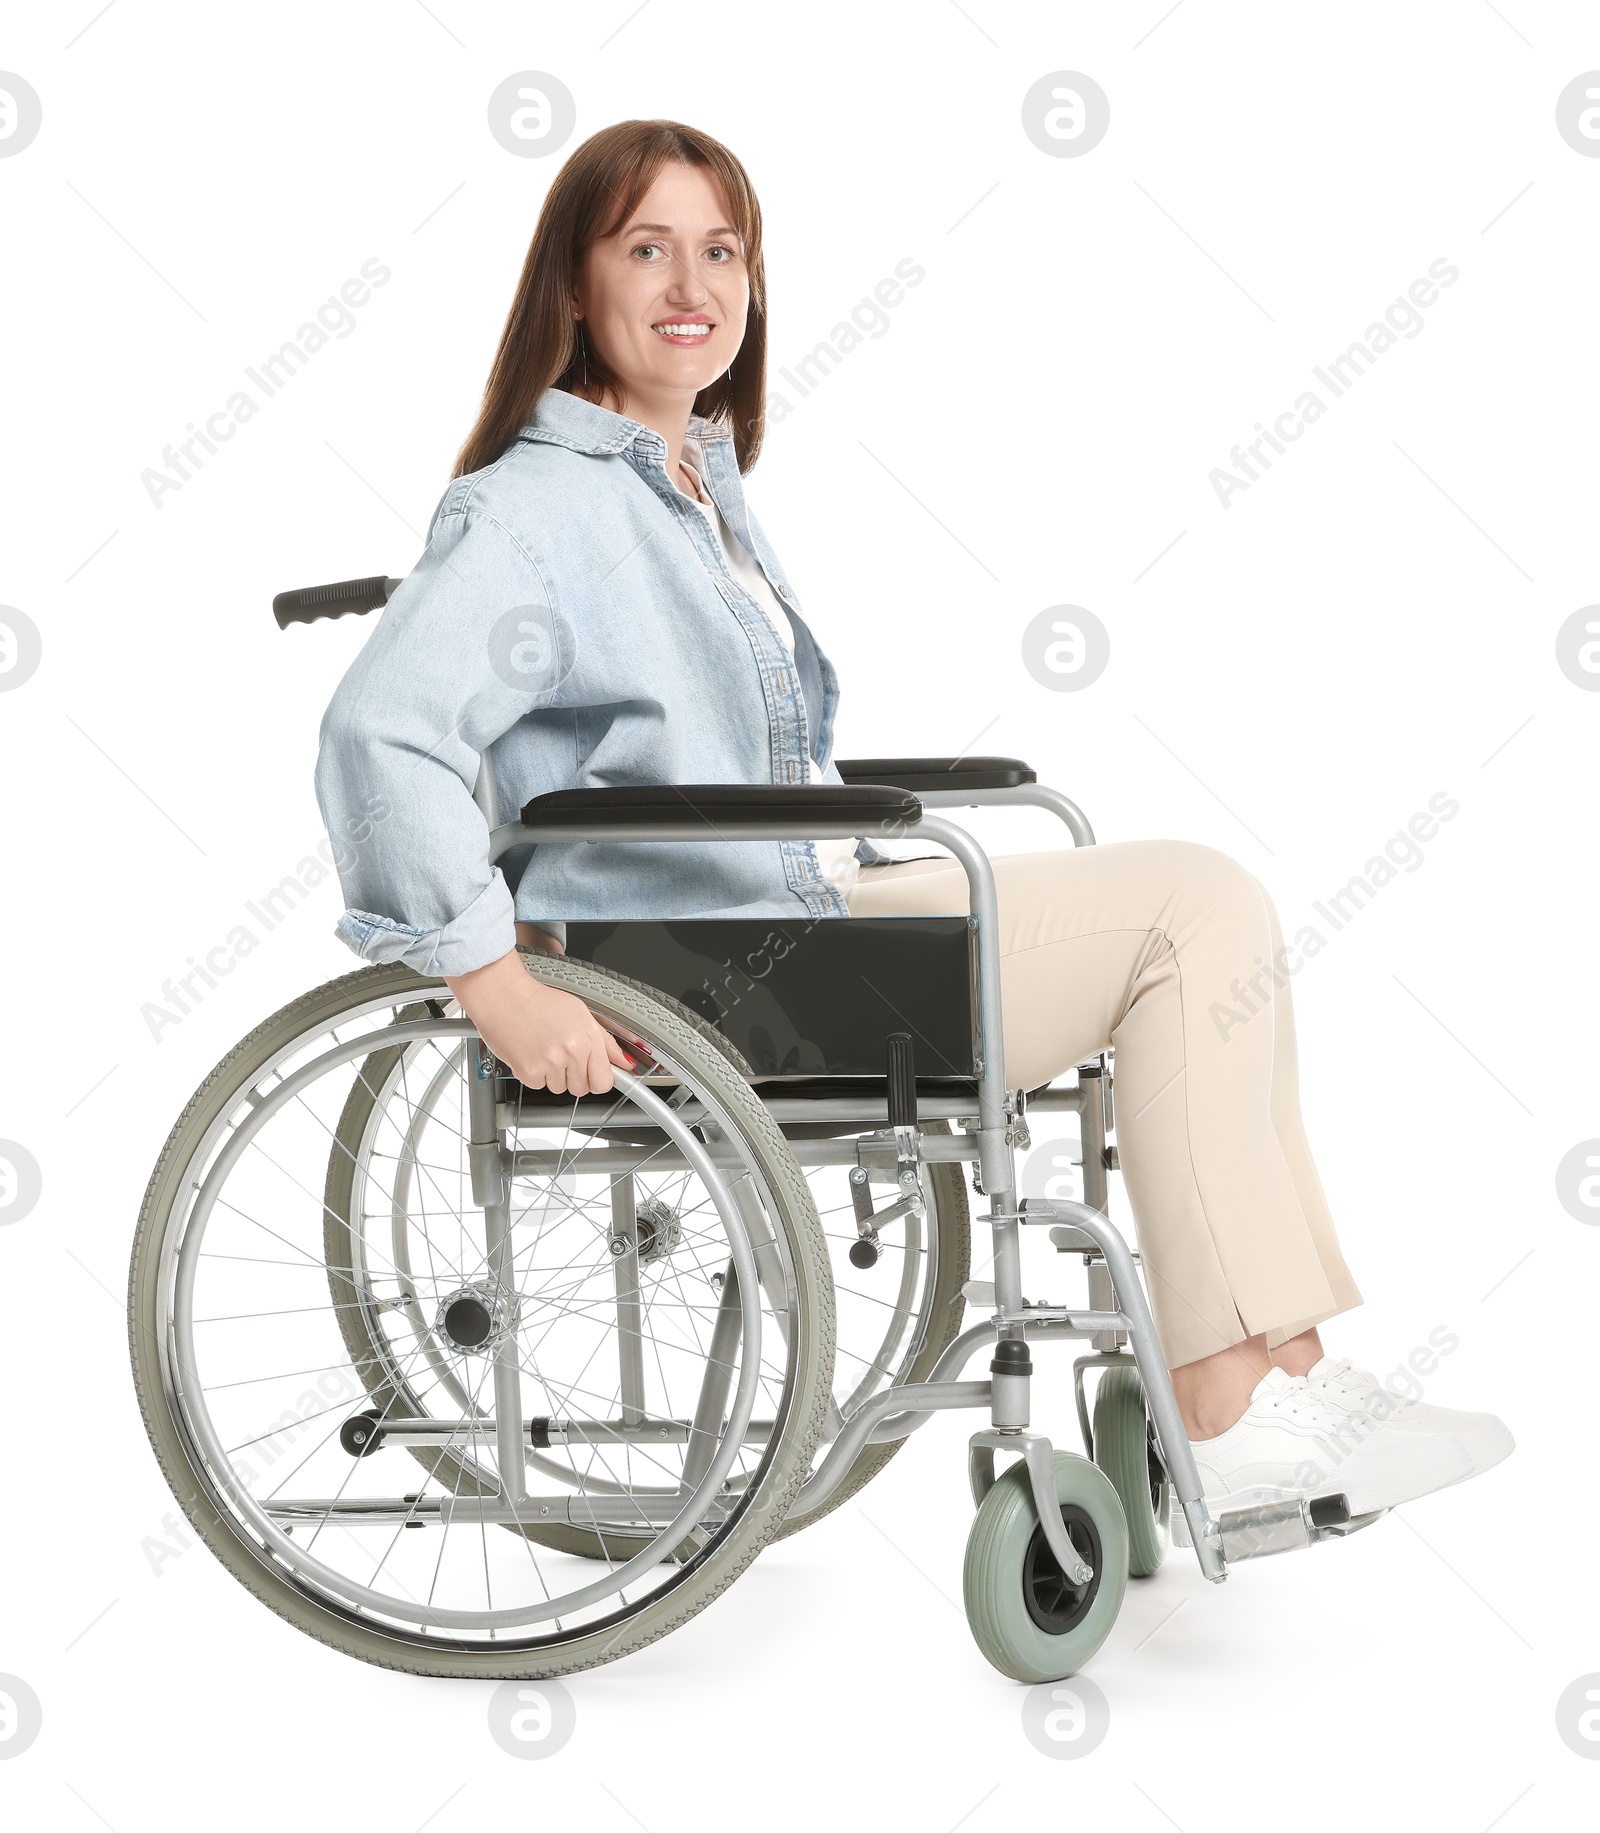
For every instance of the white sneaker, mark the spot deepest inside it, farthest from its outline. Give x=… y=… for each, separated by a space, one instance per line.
x=1485 y=1438
x=1290 y=1443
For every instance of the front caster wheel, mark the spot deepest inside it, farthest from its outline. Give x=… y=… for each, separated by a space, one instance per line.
x=1125 y=1449
x=1025 y=1615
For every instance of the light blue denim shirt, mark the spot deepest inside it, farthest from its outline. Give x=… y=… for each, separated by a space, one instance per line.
x=573 y=622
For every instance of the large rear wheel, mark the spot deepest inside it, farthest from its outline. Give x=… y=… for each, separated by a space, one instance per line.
x=624 y=1336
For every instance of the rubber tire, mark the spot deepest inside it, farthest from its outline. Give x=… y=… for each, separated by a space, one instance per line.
x=1121 y=1441
x=707 y=1575
x=997 y=1612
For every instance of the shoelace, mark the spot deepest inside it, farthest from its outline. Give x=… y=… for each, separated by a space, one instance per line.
x=1299 y=1401
x=1362 y=1392
x=1340 y=1376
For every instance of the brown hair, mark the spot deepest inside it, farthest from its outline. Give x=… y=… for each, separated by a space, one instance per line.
x=592 y=196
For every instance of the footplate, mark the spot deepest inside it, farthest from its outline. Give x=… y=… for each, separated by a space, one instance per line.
x=1280 y=1526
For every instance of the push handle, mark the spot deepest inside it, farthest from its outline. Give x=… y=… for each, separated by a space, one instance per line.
x=306 y=604
x=902 y=1081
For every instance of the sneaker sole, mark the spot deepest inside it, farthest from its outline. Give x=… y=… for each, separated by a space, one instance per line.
x=1393 y=1493
x=1497 y=1453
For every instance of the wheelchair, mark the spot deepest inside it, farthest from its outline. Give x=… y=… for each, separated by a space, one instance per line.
x=467 y=1378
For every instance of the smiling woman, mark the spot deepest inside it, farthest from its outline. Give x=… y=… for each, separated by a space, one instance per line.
x=650 y=223
x=598 y=608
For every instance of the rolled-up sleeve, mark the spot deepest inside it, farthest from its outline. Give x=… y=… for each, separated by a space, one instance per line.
x=468 y=645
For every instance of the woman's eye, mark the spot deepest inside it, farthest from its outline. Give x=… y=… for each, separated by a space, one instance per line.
x=719 y=252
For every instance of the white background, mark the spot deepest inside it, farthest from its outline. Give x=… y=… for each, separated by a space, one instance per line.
x=1372 y=622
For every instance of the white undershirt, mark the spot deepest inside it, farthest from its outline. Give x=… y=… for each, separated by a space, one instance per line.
x=836 y=857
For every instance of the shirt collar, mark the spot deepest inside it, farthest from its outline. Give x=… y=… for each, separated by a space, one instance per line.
x=565 y=419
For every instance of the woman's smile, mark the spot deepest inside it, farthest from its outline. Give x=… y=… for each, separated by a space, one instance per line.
x=686 y=329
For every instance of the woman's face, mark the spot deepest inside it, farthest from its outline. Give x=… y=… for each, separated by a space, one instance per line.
x=663 y=301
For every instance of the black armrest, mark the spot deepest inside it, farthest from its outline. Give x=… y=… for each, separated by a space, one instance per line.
x=727 y=807
x=923 y=774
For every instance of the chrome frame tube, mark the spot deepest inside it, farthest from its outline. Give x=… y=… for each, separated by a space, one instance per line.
x=842 y=1453
x=483 y=794
x=1099 y=1358
x=714 y=1382
x=1176 y=1451
x=1070 y=1326
x=619 y=1161
x=625 y=1272
x=491 y=1189
x=644 y=1431
x=1036 y=795
x=642 y=1511
x=984 y=906
x=786 y=1110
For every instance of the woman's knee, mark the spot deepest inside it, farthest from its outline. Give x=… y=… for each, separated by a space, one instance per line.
x=1209 y=869
x=1210 y=878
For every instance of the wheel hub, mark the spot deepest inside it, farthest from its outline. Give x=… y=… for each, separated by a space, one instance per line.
x=1054 y=1602
x=477 y=1318
x=659 y=1230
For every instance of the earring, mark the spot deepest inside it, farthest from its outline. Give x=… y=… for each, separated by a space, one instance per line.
x=583 y=351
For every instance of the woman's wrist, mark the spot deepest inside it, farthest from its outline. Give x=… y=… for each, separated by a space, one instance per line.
x=503 y=975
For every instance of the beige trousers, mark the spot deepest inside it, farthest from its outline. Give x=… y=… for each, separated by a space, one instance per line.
x=1164 y=951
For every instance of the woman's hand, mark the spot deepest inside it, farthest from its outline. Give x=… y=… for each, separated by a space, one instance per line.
x=548 y=1039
